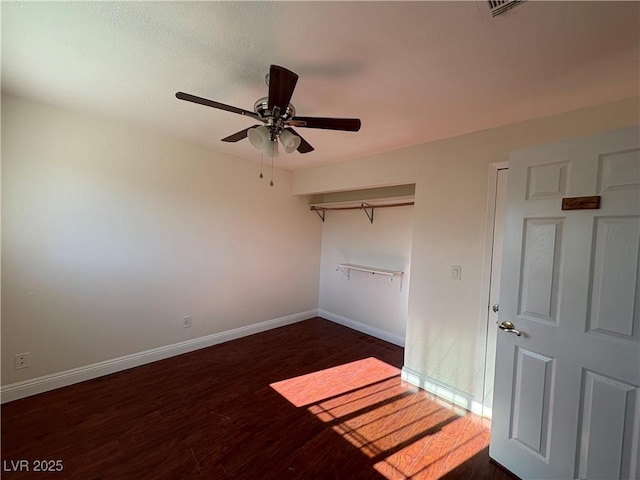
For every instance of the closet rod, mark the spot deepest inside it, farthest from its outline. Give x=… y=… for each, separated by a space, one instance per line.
x=360 y=207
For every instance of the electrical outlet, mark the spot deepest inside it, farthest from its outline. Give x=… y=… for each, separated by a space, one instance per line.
x=22 y=360
x=186 y=321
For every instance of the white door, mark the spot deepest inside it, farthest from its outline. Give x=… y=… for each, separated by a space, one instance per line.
x=567 y=396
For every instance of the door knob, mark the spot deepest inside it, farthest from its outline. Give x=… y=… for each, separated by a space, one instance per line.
x=495 y=308
x=509 y=328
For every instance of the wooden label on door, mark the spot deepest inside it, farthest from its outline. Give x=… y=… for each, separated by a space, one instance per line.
x=581 y=203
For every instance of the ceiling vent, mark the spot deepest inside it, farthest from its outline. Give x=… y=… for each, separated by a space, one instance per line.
x=500 y=6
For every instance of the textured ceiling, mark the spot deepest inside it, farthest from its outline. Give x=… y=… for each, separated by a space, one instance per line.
x=412 y=71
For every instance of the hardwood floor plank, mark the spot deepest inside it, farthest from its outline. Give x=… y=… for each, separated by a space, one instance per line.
x=312 y=400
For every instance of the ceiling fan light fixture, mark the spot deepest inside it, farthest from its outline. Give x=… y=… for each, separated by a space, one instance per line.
x=289 y=141
x=258 y=137
x=270 y=148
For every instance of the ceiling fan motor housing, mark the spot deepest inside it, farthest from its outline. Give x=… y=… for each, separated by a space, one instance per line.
x=274 y=120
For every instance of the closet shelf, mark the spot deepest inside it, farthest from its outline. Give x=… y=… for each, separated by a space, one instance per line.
x=346 y=268
x=366 y=207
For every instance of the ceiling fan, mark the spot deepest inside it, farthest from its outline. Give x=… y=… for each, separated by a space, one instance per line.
x=278 y=117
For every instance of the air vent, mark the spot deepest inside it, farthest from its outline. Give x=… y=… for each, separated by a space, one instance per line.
x=500 y=6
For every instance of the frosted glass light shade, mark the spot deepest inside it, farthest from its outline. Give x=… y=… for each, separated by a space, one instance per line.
x=270 y=148
x=258 y=137
x=290 y=142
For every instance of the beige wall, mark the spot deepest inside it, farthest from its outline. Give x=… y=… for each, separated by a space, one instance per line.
x=111 y=235
x=445 y=324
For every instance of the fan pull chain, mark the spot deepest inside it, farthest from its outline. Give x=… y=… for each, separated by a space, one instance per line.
x=271 y=183
x=261 y=160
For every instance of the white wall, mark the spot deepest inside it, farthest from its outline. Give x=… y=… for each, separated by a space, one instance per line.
x=375 y=303
x=111 y=234
x=446 y=326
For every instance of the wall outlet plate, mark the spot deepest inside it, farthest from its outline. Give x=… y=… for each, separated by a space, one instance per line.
x=22 y=360
x=186 y=321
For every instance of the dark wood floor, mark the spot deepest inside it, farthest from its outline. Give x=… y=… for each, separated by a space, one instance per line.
x=313 y=400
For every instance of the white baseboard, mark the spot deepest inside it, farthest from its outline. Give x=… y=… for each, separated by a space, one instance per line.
x=364 y=328
x=45 y=383
x=444 y=391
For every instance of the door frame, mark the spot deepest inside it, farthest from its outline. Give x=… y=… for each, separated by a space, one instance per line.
x=486 y=280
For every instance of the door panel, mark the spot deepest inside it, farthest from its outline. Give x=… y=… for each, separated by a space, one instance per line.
x=566 y=391
x=547 y=181
x=541 y=254
x=619 y=171
x=532 y=394
x=609 y=410
x=614 y=303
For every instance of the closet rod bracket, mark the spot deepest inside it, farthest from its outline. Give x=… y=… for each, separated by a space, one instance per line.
x=318 y=210
x=364 y=207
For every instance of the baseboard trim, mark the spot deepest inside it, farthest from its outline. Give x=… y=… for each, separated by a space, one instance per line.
x=444 y=391
x=364 y=328
x=45 y=383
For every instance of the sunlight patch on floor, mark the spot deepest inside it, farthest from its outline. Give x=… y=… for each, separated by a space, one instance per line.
x=406 y=433
x=429 y=458
x=335 y=381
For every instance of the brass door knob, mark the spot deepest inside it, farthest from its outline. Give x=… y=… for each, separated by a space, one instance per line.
x=509 y=328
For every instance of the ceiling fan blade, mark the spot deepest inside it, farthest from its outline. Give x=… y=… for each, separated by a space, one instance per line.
x=347 y=124
x=304 y=147
x=282 y=82
x=242 y=134
x=211 y=103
